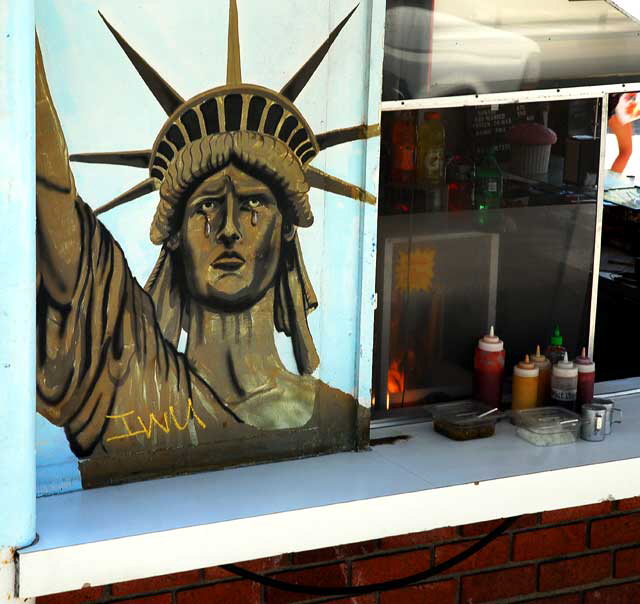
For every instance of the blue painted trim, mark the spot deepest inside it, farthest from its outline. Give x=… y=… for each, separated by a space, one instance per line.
x=368 y=214
x=17 y=274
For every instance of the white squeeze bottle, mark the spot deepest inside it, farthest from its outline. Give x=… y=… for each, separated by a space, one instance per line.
x=564 y=383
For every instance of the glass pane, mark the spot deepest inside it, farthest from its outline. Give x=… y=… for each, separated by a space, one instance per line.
x=471 y=47
x=617 y=325
x=486 y=217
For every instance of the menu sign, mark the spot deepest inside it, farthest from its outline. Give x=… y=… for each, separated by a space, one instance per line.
x=488 y=126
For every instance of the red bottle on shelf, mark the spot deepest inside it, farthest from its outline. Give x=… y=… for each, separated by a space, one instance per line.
x=488 y=370
x=586 y=379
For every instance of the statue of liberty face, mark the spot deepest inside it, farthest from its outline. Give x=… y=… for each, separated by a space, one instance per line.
x=230 y=239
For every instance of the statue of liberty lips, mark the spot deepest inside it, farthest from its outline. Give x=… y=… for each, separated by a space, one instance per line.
x=232 y=168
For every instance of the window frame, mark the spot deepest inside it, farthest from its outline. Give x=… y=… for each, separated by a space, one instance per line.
x=601 y=92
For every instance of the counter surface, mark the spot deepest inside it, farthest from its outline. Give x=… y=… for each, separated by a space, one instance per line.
x=415 y=483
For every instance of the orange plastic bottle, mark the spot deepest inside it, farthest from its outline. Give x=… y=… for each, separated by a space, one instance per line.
x=525 y=385
x=403 y=152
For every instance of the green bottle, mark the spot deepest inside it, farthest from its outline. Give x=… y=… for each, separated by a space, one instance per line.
x=555 y=351
x=488 y=183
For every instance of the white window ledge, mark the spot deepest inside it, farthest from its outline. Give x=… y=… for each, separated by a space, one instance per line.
x=170 y=525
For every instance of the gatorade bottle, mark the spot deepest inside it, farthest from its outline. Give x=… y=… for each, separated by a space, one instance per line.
x=430 y=168
x=555 y=351
x=403 y=152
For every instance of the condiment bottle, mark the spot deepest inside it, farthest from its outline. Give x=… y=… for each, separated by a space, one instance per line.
x=564 y=383
x=488 y=369
x=544 y=378
x=525 y=385
x=586 y=379
x=555 y=351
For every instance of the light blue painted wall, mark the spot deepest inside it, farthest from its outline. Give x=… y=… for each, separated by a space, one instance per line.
x=103 y=105
x=17 y=275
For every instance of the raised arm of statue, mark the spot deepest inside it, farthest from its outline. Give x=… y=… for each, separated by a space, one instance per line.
x=58 y=224
x=231 y=168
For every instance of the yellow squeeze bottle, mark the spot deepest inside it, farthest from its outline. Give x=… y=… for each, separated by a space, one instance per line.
x=525 y=385
x=544 y=378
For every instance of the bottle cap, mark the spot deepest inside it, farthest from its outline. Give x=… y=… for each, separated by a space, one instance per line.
x=583 y=359
x=432 y=115
x=584 y=363
x=526 y=368
x=556 y=338
x=565 y=368
x=539 y=359
x=491 y=342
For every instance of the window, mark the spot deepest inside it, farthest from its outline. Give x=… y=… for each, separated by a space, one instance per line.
x=471 y=47
x=487 y=216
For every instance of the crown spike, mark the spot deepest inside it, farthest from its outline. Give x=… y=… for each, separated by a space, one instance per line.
x=234 y=69
x=297 y=83
x=321 y=180
x=168 y=98
x=142 y=188
x=135 y=159
x=346 y=135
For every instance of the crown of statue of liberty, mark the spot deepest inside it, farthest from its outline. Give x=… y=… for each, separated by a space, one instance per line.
x=236 y=106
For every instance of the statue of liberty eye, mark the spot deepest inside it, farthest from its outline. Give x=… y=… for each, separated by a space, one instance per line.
x=208 y=204
x=253 y=203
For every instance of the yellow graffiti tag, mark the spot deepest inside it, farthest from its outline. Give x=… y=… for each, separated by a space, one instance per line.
x=165 y=425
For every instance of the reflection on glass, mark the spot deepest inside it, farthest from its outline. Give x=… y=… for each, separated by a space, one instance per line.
x=486 y=217
x=471 y=47
x=619 y=279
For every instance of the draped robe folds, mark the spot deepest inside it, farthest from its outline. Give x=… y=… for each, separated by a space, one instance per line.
x=130 y=403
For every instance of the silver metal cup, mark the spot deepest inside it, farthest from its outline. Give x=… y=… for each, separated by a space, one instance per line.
x=611 y=409
x=593 y=422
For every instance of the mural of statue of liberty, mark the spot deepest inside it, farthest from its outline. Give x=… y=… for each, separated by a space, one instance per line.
x=232 y=168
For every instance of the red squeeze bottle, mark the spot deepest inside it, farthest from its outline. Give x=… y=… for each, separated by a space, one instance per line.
x=586 y=379
x=488 y=370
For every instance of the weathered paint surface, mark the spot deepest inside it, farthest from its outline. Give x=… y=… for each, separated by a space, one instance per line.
x=17 y=275
x=368 y=214
x=339 y=250
x=8 y=578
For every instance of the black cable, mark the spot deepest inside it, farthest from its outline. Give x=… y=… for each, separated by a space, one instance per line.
x=383 y=586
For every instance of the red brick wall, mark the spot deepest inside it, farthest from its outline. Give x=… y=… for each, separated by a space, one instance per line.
x=584 y=555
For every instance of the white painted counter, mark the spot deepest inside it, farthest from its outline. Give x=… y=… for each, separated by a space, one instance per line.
x=427 y=481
